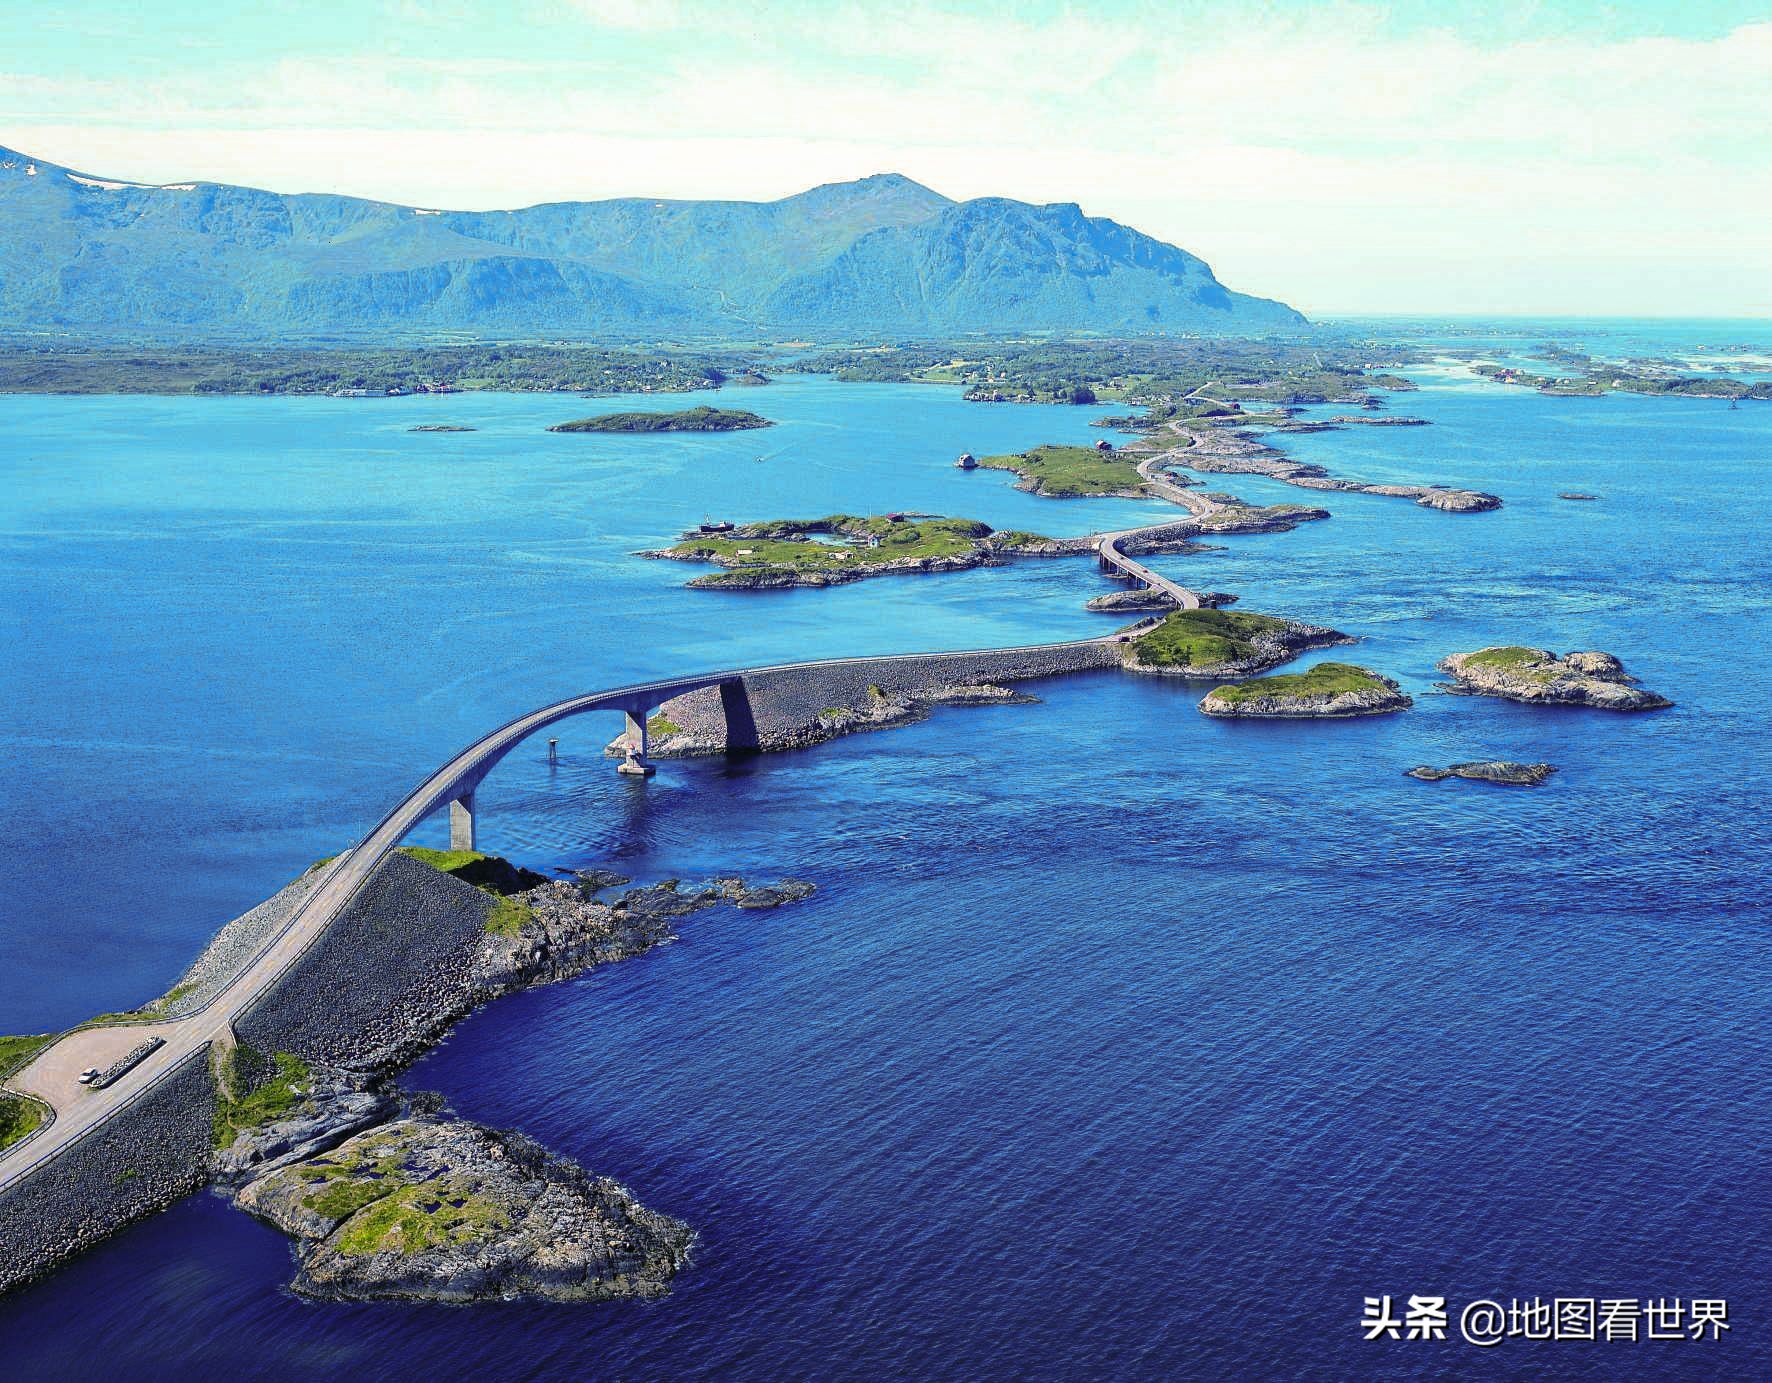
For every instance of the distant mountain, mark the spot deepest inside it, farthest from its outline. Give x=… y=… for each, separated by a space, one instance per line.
x=883 y=255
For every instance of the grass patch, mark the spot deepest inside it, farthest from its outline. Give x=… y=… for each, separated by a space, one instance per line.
x=15 y=1052
x=1066 y=472
x=449 y=861
x=1203 y=638
x=19 y=1118
x=1325 y=679
x=281 y=1091
x=508 y=916
x=1521 y=662
x=342 y=1199
x=414 y=1217
x=662 y=725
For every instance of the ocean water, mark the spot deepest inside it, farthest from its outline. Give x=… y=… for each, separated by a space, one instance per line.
x=1117 y=1042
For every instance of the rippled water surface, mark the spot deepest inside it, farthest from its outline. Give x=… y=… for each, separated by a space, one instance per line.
x=1117 y=1041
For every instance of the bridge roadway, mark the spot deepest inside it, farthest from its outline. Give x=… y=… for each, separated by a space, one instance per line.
x=53 y=1075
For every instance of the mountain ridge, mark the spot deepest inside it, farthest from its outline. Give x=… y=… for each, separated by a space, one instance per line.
x=880 y=254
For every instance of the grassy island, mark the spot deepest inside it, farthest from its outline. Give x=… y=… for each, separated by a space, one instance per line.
x=1328 y=690
x=699 y=419
x=1071 y=472
x=1325 y=679
x=1205 y=639
x=843 y=547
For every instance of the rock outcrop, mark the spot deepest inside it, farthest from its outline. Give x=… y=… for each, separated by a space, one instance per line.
x=1539 y=677
x=438 y=1209
x=1488 y=771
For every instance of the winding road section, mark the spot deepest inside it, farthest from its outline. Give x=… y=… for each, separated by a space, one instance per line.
x=53 y=1075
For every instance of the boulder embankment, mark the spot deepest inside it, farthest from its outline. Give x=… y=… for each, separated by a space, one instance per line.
x=1326 y=691
x=1539 y=677
x=797 y=707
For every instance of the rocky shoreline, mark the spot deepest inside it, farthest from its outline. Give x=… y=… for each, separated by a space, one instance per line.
x=1537 y=676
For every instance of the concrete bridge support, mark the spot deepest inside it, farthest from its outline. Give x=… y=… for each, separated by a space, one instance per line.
x=461 y=822
x=635 y=763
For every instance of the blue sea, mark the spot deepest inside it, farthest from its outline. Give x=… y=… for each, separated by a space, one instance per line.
x=1117 y=1042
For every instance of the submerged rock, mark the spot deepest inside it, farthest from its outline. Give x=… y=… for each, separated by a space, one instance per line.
x=1488 y=771
x=741 y=895
x=1538 y=676
x=438 y=1209
x=1326 y=691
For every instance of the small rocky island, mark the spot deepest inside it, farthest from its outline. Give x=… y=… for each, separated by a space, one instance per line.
x=434 y=1208
x=1064 y=472
x=1326 y=691
x=1539 y=677
x=440 y=427
x=1503 y=771
x=782 y=553
x=699 y=419
x=1223 y=643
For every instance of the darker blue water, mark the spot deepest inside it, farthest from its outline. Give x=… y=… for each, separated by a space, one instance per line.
x=1117 y=1042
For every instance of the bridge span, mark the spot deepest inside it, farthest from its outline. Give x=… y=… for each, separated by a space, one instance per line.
x=53 y=1075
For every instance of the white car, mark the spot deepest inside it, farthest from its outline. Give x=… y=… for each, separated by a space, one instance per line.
x=89 y=1075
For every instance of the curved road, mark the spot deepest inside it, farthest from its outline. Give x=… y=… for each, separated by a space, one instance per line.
x=53 y=1075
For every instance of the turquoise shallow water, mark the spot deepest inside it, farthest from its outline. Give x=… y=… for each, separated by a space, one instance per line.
x=1117 y=1041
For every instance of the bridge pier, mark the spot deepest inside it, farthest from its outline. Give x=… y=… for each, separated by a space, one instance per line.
x=635 y=763
x=461 y=822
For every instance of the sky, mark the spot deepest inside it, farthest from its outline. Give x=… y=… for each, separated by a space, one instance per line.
x=1575 y=158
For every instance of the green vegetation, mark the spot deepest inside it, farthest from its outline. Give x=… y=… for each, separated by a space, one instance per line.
x=1066 y=472
x=419 y=1216
x=374 y=370
x=1203 y=638
x=19 y=1118
x=16 y=1051
x=1526 y=664
x=662 y=725
x=248 y=1098
x=508 y=917
x=449 y=861
x=698 y=419
x=342 y=1199
x=872 y=540
x=1325 y=679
